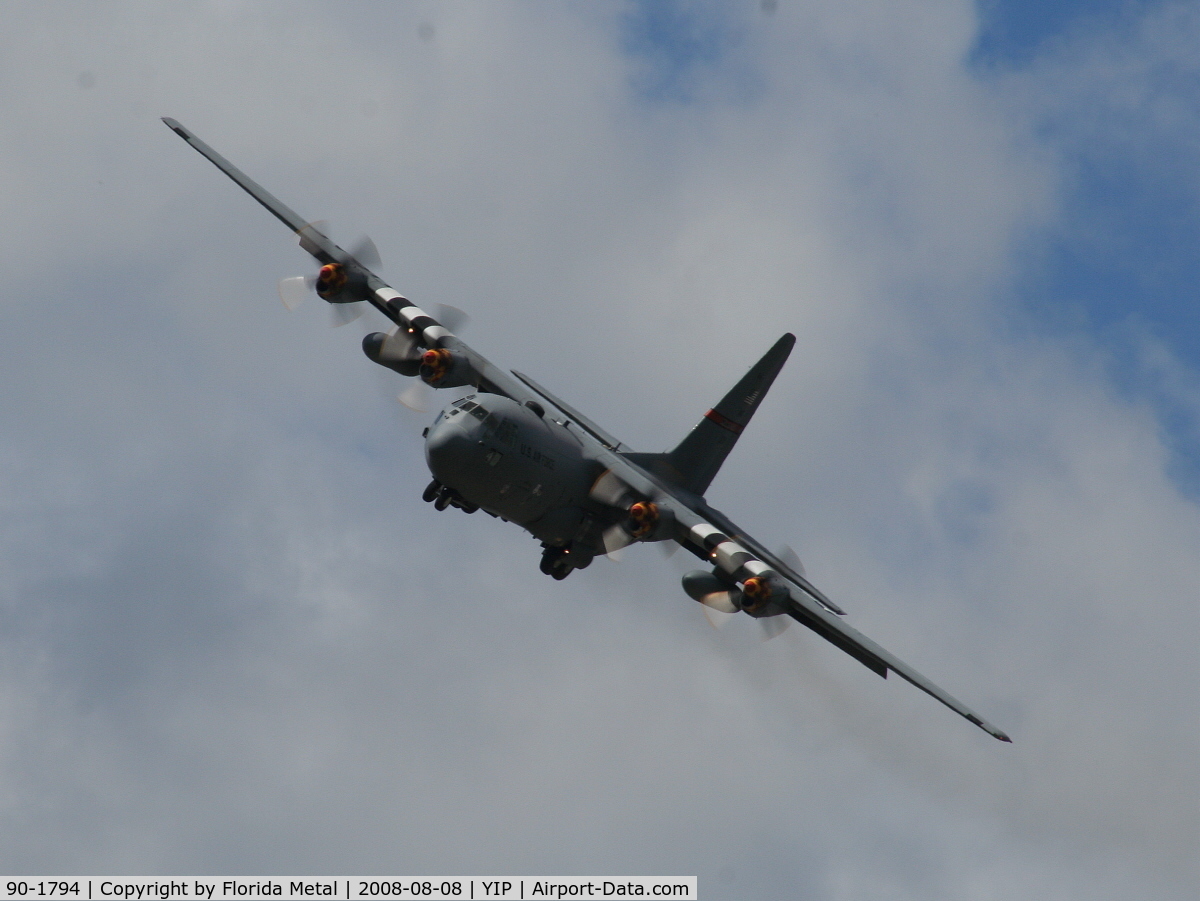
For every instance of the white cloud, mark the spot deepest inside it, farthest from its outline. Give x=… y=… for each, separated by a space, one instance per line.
x=234 y=640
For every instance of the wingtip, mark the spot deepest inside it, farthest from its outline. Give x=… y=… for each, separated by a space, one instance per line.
x=994 y=732
x=174 y=126
x=987 y=727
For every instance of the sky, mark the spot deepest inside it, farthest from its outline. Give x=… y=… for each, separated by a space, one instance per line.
x=234 y=641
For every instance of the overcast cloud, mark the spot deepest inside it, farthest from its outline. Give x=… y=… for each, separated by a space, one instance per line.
x=234 y=641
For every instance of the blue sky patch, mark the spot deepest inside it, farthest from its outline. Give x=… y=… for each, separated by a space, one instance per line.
x=676 y=41
x=1015 y=31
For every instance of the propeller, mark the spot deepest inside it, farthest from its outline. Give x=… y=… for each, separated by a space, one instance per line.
x=642 y=516
x=611 y=491
x=366 y=254
x=720 y=613
x=769 y=626
x=774 y=625
x=294 y=290
x=721 y=601
x=418 y=396
x=718 y=619
x=615 y=540
x=791 y=558
x=330 y=279
x=454 y=319
x=722 y=598
x=345 y=313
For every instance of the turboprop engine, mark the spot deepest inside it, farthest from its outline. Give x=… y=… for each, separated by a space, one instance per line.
x=330 y=280
x=341 y=283
x=444 y=368
x=758 y=596
x=649 y=521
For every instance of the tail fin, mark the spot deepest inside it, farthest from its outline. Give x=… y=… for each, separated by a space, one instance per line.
x=695 y=462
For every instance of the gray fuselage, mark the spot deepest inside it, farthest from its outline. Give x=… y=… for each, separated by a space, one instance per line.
x=515 y=464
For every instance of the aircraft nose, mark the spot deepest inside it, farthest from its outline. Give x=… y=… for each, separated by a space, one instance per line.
x=449 y=451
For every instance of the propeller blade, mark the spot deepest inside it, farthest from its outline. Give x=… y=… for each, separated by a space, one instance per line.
x=452 y=318
x=366 y=253
x=344 y=313
x=774 y=625
x=668 y=548
x=717 y=618
x=394 y=346
x=416 y=397
x=615 y=538
x=721 y=601
x=293 y=291
x=791 y=558
x=610 y=490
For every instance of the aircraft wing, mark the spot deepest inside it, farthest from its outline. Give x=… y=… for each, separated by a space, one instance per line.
x=694 y=530
x=807 y=611
x=368 y=287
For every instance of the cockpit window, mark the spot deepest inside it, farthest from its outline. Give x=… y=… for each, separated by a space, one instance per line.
x=468 y=405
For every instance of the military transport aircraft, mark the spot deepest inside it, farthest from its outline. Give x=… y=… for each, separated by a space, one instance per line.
x=517 y=452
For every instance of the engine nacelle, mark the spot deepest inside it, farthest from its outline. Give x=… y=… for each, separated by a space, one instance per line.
x=643 y=517
x=443 y=368
x=650 y=522
x=395 y=350
x=700 y=583
x=760 y=596
x=330 y=280
x=337 y=283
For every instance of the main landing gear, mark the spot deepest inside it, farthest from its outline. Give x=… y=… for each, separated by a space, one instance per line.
x=560 y=562
x=444 y=497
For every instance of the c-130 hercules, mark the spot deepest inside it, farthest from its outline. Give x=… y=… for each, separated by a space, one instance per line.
x=517 y=452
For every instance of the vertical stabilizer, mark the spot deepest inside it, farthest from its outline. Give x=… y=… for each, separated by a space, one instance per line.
x=695 y=462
